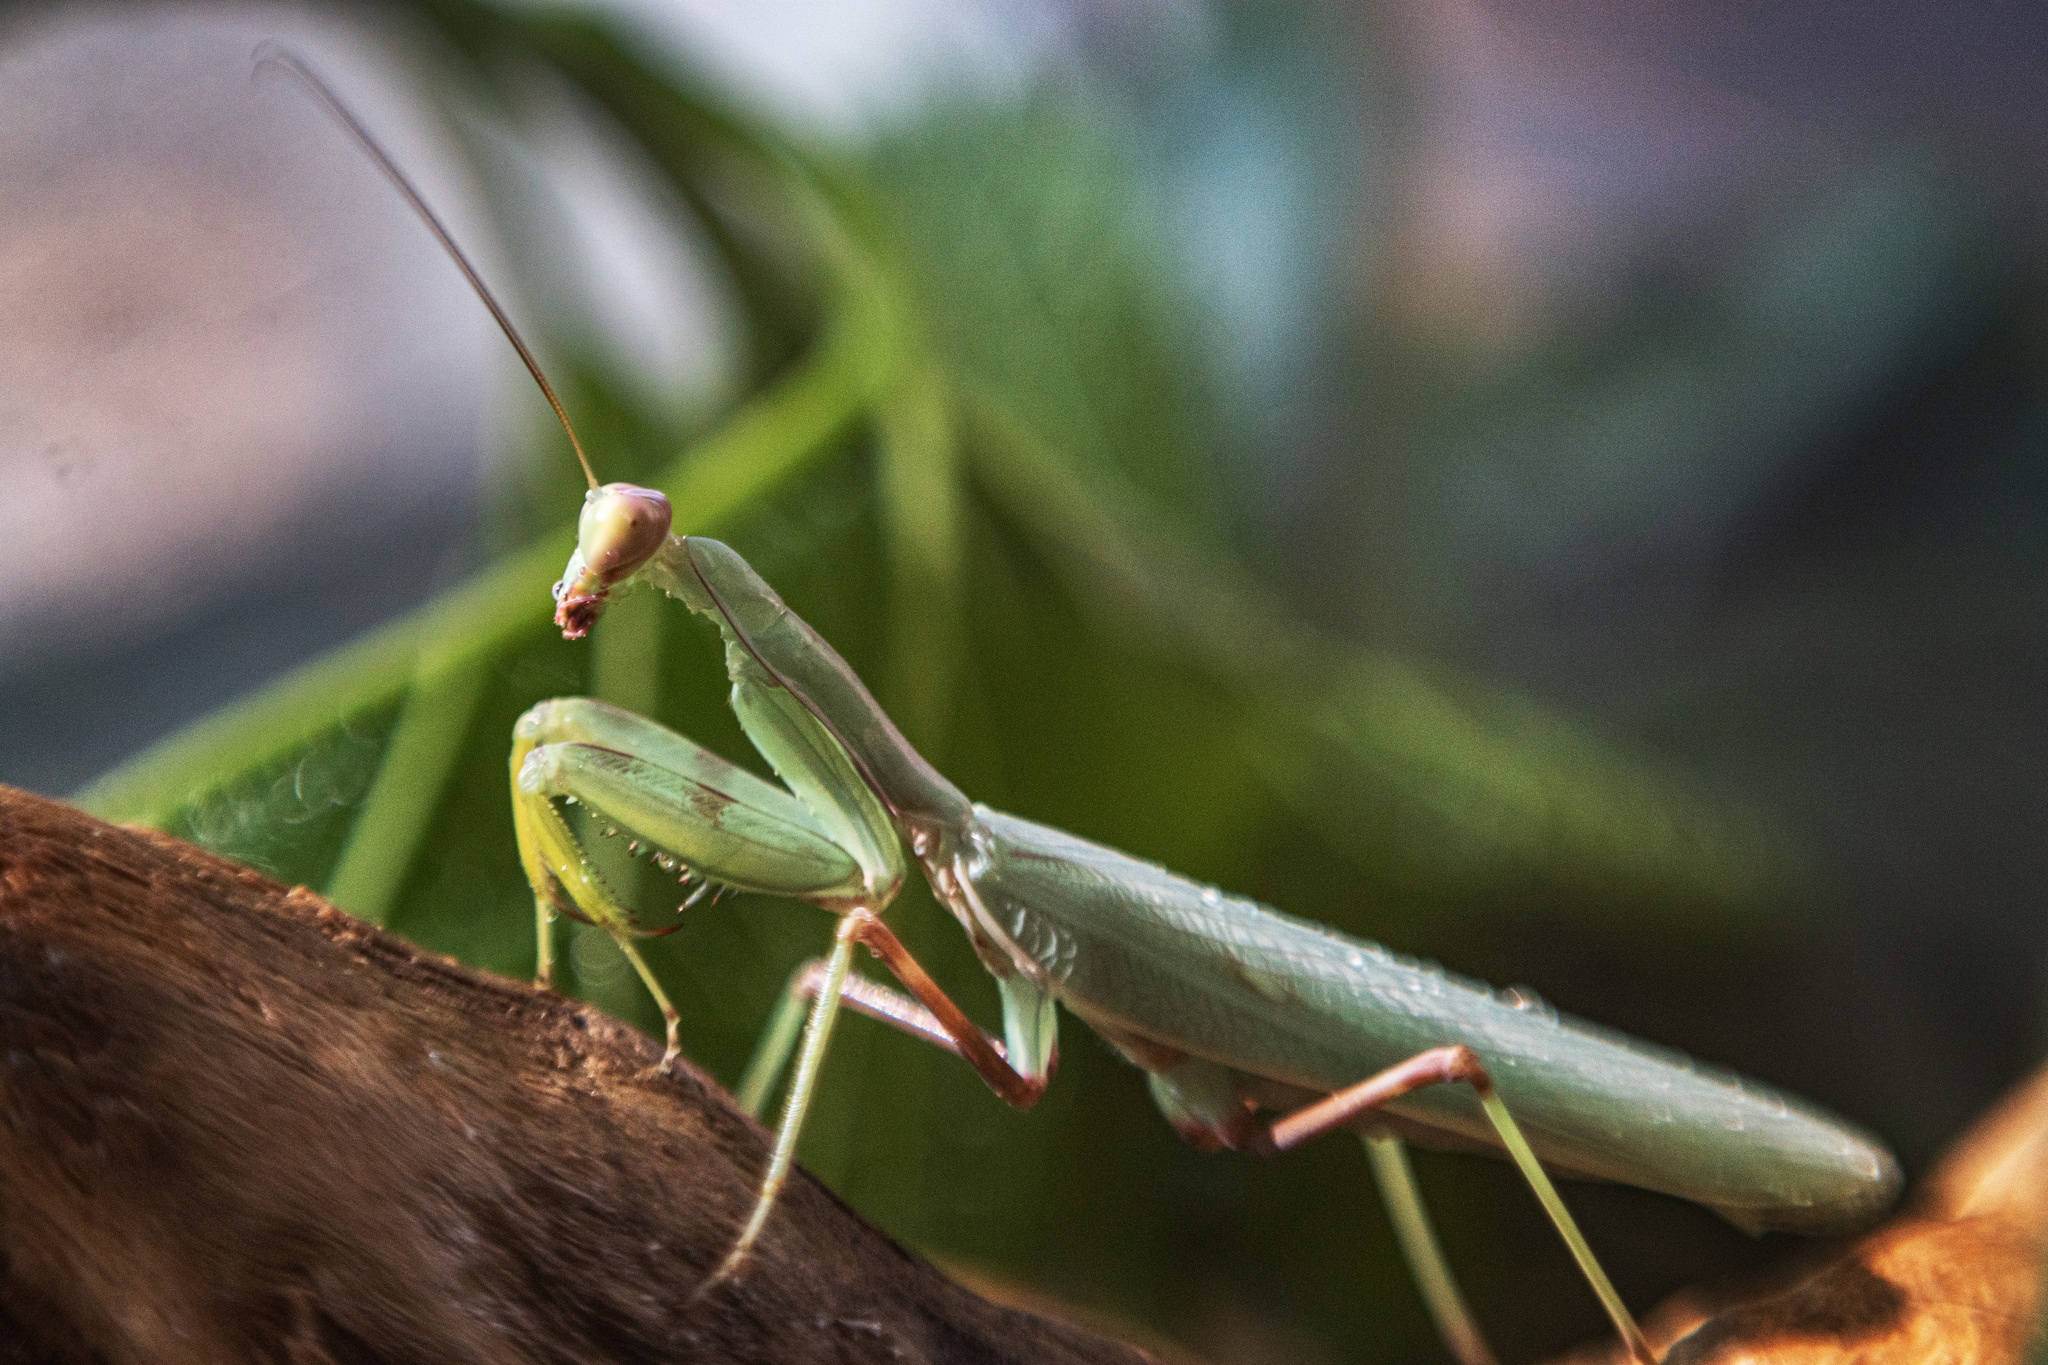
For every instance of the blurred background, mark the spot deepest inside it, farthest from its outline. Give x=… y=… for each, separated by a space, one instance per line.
x=1556 y=488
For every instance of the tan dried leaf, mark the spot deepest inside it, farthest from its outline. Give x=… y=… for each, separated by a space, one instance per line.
x=1954 y=1278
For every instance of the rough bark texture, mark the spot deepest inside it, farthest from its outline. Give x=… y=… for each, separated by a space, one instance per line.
x=238 y=1125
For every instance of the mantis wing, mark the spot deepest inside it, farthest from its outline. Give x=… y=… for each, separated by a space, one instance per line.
x=1296 y=1010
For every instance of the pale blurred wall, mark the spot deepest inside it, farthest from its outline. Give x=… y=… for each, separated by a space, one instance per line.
x=238 y=391
x=247 y=410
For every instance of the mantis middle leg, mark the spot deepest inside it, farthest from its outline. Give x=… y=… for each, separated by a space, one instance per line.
x=1203 y=1100
x=826 y=984
x=941 y=1023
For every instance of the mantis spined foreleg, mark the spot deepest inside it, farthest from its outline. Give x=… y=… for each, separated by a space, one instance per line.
x=1235 y=1012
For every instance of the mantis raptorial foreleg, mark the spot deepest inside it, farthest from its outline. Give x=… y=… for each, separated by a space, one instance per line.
x=692 y=813
x=717 y=826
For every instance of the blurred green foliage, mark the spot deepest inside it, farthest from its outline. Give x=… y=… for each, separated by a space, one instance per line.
x=976 y=451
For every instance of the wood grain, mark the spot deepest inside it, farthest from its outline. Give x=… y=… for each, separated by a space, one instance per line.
x=238 y=1125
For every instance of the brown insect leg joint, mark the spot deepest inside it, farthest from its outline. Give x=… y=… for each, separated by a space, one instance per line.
x=958 y=1033
x=1438 y=1066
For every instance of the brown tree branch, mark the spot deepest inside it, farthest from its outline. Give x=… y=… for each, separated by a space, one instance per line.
x=237 y=1125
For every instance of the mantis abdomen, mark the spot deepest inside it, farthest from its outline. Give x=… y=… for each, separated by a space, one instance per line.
x=1128 y=944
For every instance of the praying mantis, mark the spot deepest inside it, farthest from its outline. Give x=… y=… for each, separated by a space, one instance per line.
x=1234 y=1011
x=1229 y=1007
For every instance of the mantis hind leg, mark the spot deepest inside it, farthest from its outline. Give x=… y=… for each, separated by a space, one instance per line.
x=1204 y=1102
x=1442 y=1066
x=1424 y=1254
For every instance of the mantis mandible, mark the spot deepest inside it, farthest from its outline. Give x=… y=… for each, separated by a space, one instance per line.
x=1235 y=1012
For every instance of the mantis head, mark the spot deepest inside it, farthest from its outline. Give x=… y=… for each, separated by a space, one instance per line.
x=621 y=527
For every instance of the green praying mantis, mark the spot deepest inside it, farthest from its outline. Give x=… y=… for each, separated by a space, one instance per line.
x=1232 y=1009
x=1257 y=1032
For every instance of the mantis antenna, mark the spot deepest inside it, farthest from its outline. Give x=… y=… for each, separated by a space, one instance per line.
x=289 y=62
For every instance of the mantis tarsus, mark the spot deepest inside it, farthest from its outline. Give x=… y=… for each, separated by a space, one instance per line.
x=1234 y=1011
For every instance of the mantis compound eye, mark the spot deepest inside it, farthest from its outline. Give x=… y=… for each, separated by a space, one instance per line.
x=621 y=527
